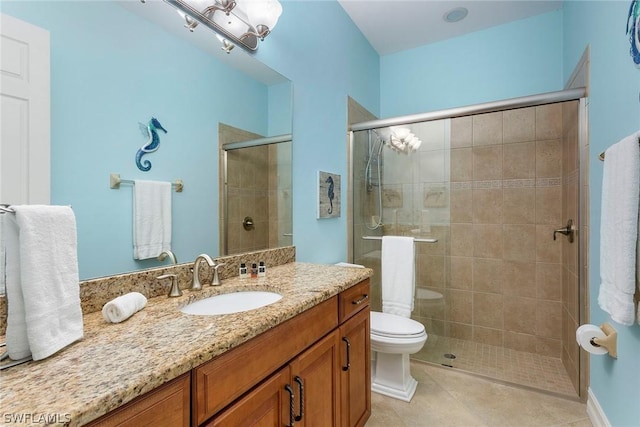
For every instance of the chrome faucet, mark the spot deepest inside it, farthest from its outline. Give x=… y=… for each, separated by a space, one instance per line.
x=196 y=285
x=169 y=254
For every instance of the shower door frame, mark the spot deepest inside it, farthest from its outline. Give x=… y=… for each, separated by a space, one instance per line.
x=573 y=94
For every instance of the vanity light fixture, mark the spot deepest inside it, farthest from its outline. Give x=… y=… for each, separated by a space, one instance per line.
x=227 y=46
x=236 y=23
x=402 y=140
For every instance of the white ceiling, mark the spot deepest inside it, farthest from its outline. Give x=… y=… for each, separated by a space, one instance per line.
x=395 y=25
x=389 y=25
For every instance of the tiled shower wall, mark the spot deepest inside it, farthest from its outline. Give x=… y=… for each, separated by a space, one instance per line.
x=504 y=285
x=248 y=195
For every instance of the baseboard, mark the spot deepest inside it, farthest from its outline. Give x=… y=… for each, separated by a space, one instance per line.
x=595 y=412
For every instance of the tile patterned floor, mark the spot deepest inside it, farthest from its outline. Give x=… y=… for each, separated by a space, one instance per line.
x=449 y=398
x=518 y=367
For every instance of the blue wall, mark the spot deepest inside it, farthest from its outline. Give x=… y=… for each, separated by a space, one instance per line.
x=318 y=47
x=110 y=70
x=516 y=59
x=95 y=125
x=614 y=112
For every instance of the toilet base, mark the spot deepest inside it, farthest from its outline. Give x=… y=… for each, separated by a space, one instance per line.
x=391 y=376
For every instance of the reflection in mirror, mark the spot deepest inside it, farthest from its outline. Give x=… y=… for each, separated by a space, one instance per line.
x=255 y=191
x=117 y=64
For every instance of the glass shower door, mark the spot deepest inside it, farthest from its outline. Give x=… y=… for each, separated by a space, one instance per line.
x=407 y=195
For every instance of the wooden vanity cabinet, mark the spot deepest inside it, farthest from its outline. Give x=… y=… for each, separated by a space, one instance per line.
x=303 y=393
x=355 y=369
x=328 y=384
x=219 y=382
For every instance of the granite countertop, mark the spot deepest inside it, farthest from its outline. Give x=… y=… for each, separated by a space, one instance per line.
x=115 y=363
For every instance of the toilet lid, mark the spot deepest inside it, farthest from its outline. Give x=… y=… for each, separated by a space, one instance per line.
x=393 y=325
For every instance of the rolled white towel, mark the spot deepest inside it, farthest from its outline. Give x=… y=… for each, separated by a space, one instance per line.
x=123 y=307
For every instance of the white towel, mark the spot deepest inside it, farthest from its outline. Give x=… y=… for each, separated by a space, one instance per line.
x=619 y=229
x=43 y=285
x=151 y=218
x=3 y=257
x=638 y=268
x=398 y=277
x=16 y=334
x=123 y=307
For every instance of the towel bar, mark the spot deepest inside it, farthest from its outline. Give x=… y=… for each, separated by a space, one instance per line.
x=115 y=181
x=601 y=155
x=5 y=355
x=415 y=239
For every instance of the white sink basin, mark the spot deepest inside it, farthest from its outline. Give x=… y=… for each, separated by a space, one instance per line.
x=234 y=302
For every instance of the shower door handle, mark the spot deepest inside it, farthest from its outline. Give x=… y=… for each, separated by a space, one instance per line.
x=568 y=230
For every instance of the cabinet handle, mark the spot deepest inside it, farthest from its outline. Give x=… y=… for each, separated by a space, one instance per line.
x=301 y=387
x=348 y=365
x=291 y=399
x=361 y=300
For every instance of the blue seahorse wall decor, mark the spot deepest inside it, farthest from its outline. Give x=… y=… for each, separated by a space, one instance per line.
x=633 y=30
x=330 y=194
x=150 y=130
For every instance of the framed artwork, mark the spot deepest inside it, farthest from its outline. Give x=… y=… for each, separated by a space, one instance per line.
x=328 y=195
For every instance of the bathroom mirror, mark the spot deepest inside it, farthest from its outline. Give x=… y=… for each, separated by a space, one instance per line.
x=114 y=66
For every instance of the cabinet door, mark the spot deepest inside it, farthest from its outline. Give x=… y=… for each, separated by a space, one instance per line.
x=355 y=370
x=268 y=405
x=315 y=378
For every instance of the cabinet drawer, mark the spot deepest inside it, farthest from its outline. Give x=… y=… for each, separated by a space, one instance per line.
x=220 y=381
x=353 y=300
x=168 y=405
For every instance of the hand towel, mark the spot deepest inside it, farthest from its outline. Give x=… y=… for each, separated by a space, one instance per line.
x=3 y=256
x=151 y=218
x=398 y=278
x=637 y=298
x=48 y=277
x=619 y=229
x=123 y=307
x=16 y=333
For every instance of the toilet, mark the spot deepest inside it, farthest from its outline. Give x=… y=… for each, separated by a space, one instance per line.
x=393 y=339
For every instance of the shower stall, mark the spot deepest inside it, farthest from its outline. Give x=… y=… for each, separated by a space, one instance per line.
x=487 y=192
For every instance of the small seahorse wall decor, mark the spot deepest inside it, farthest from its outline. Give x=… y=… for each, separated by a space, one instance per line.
x=150 y=130
x=633 y=30
x=328 y=195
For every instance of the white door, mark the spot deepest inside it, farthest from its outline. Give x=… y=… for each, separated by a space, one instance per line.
x=25 y=112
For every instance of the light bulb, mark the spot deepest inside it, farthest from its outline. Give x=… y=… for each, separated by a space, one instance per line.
x=263 y=12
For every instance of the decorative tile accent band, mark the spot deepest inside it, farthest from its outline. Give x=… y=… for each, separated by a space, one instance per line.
x=507 y=183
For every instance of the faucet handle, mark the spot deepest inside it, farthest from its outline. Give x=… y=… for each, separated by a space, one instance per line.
x=216 y=277
x=175 y=290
